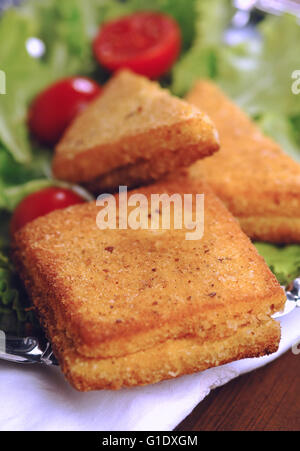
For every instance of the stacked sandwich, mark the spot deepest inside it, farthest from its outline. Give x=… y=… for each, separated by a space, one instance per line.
x=125 y=307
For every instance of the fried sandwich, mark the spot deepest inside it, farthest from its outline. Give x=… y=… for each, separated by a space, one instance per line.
x=257 y=181
x=135 y=132
x=133 y=307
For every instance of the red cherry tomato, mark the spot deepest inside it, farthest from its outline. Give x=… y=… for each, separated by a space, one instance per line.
x=148 y=43
x=55 y=107
x=40 y=203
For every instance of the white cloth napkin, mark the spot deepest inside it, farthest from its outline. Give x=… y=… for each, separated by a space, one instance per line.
x=36 y=397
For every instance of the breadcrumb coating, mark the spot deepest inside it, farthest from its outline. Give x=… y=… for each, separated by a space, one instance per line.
x=256 y=180
x=130 y=307
x=134 y=132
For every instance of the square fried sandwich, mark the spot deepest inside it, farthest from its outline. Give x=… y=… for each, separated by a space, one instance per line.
x=133 y=307
x=135 y=132
x=258 y=182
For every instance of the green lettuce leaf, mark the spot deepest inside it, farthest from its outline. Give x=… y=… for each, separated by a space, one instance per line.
x=281 y=129
x=12 y=196
x=284 y=261
x=5 y=217
x=263 y=78
x=212 y=18
x=295 y=121
x=16 y=315
x=65 y=28
x=24 y=77
x=18 y=180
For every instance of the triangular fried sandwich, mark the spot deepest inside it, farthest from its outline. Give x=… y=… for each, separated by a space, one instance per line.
x=134 y=133
x=253 y=176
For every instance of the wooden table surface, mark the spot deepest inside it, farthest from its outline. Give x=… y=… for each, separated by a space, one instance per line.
x=265 y=399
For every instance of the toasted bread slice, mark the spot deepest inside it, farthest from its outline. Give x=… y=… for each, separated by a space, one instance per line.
x=128 y=307
x=135 y=132
x=258 y=182
x=165 y=360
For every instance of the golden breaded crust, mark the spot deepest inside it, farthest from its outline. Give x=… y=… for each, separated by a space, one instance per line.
x=273 y=229
x=133 y=122
x=144 y=171
x=167 y=360
x=115 y=292
x=258 y=182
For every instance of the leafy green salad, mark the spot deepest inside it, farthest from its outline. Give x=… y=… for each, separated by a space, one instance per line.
x=256 y=74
